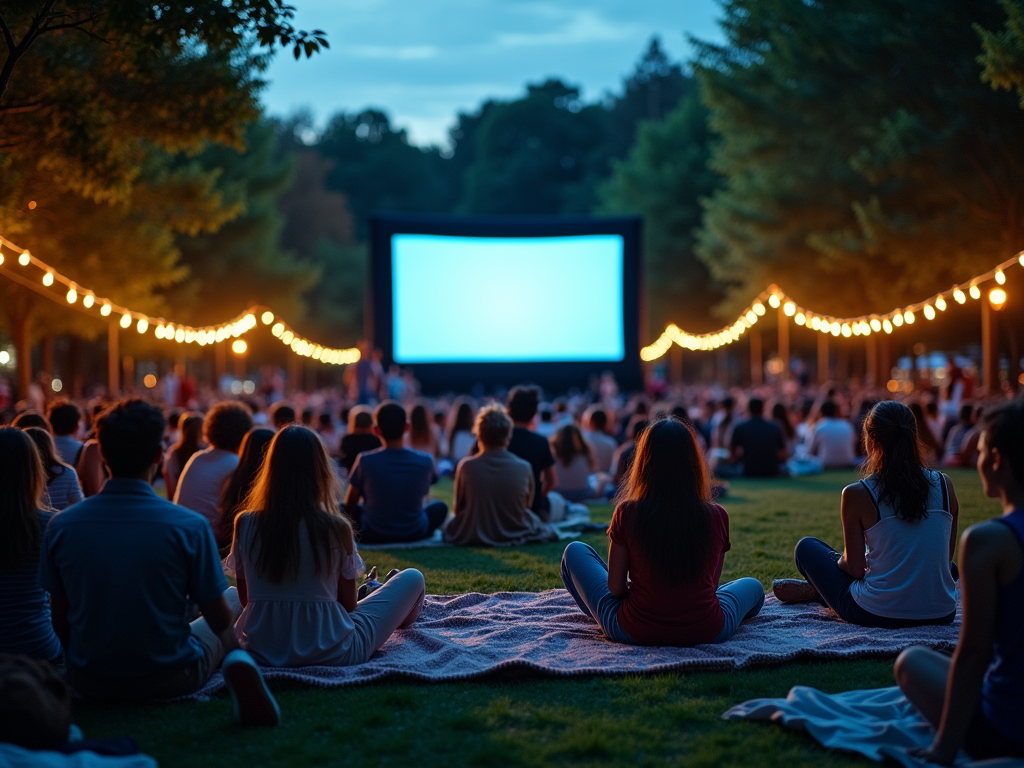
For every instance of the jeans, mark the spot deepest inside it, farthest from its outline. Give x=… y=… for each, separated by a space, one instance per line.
x=383 y=611
x=585 y=575
x=818 y=563
x=435 y=509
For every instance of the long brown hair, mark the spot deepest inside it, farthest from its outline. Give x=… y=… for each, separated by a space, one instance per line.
x=191 y=425
x=296 y=483
x=419 y=425
x=568 y=443
x=925 y=435
x=670 y=485
x=22 y=481
x=250 y=453
x=894 y=458
x=53 y=464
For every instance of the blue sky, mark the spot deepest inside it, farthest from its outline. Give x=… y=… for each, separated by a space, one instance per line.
x=422 y=61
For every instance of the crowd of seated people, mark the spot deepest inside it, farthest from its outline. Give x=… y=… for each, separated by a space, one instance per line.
x=289 y=510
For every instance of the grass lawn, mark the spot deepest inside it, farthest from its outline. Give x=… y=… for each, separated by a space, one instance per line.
x=668 y=719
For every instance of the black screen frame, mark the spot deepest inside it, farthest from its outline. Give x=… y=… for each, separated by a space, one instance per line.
x=443 y=377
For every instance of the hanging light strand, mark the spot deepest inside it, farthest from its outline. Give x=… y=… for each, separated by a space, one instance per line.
x=863 y=325
x=171 y=331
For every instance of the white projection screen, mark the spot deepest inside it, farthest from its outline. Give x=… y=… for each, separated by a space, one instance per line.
x=491 y=301
x=459 y=299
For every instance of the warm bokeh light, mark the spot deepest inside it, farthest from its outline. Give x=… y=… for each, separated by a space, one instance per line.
x=126 y=320
x=239 y=347
x=997 y=298
x=56 y=385
x=149 y=380
x=48 y=279
x=267 y=318
x=975 y=292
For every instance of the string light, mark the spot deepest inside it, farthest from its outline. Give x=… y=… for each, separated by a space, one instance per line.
x=975 y=292
x=183 y=334
x=1000 y=277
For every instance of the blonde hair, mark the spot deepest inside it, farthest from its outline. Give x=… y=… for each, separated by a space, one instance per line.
x=493 y=427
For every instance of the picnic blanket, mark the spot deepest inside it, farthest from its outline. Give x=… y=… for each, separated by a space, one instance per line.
x=468 y=636
x=878 y=724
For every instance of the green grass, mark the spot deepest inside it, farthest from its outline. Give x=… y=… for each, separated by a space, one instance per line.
x=668 y=719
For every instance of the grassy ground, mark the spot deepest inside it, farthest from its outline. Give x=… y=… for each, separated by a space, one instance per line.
x=670 y=719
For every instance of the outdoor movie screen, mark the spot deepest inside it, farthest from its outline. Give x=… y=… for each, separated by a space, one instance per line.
x=462 y=299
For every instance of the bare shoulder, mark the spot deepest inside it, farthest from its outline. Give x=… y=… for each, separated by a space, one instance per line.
x=856 y=493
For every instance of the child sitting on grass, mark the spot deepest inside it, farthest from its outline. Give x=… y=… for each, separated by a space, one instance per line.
x=668 y=545
x=295 y=562
x=976 y=699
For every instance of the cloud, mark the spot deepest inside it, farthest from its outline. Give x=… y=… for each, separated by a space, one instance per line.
x=396 y=53
x=579 y=26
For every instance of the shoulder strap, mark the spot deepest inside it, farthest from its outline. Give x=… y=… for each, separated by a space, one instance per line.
x=873 y=499
x=945 y=491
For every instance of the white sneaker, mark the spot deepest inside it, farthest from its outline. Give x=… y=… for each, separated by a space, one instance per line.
x=251 y=700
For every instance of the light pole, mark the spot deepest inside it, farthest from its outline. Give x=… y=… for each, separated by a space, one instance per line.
x=990 y=339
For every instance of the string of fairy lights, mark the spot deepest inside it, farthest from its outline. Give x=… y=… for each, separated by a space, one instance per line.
x=773 y=296
x=864 y=325
x=162 y=328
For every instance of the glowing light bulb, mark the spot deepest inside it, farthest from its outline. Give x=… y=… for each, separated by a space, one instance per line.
x=940 y=304
x=836 y=329
x=800 y=319
x=774 y=301
x=876 y=324
x=759 y=308
x=751 y=317
x=143 y=325
x=997 y=298
x=1 y=258
x=959 y=296
x=126 y=320
x=238 y=346
x=887 y=326
x=72 y=296
x=1021 y=259
x=105 y=309
x=789 y=308
x=897 y=319
x=908 y=317
x=1000 y=277
x=277 y=330
x=975 y=292
x=846 y=330
x=929 y=311
x=88 y=300
x=26 y=257
x=267 y=318
x=159 y=331
x=287 y=337
x=179 y=335
x=48 y=279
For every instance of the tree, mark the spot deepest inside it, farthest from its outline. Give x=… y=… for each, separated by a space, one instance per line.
x=1003 y=50
x=377 y=169
x=95 y=98
x=536 y=155
x=664 y=179
x=860 y=150
x=242 y=261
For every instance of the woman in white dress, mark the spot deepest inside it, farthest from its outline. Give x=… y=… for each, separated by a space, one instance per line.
x=295 y=562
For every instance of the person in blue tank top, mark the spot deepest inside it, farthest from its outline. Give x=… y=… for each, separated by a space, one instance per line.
x=976 y=699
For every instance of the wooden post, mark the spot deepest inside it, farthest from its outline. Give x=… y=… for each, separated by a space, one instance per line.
x=113 y=360
x=823 y=367
x=220 y=362
x=989 y=348
x=871 y=352
x=128 y=373
x=756 y=359
x=784 y=342
x=239 y=367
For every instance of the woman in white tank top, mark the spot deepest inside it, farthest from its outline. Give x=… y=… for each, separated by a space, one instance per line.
x=899 y=535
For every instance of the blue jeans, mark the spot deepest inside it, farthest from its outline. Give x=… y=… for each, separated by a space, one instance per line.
x=585 y=575
x=818 y=563
x=435 y=509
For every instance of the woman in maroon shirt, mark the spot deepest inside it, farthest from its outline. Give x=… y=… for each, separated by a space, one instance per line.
x=668 y=543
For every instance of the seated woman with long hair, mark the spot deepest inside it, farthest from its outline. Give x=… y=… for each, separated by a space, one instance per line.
x=62 y=488
x=191 y=441
x=460 y=434
x=239 y=484
x=975 y=700
x=575 y=462
x=295 y=562
x=25 y=624
x=899 y=534
x=423 y=433
x=668 y=544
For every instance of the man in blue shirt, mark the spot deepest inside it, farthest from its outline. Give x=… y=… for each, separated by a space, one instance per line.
x=394 y=482
x=125 y=567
